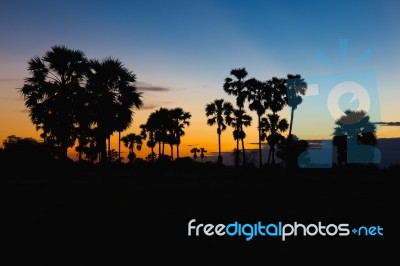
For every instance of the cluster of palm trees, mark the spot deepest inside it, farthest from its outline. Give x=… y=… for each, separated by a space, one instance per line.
x=202 y=152
x=263 y=96
x=82 y=102
x=352 y=129
x=165 y=126
x=76 y=100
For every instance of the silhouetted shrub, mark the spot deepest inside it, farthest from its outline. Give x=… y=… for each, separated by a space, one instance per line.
x=25 y=156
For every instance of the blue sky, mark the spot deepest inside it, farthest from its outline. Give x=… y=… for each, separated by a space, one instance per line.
x=189 y=47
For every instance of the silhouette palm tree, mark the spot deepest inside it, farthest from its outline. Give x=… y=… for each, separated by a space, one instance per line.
x=238 y=88
x=149 y=131
x=296 y=86
x=91 y=149
x=84 y=131
x=163 y=124
x=289 y=154
x=240 y=119
x=195 y=151
x=202 y=151
x=123 y=121
x=256 y=96
x=130 y=141
x=352 y=129
x=51 y=93
x=219 y=113
x=180 y=119
x=166 y=126
x=114 y=95
x=275 y=126
x=276 y=98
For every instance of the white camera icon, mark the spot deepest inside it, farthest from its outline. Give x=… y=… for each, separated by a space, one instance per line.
x=323 y=99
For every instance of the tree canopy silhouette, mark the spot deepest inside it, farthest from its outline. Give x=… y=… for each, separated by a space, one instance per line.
x=165 y=126
x=113 y=96
x=131 y=141
x=51 y=94
x=72 y=98
x=257 y=94
x=276 y=126
x=296 y=87
x=353 y=129
x=219 y=112
x=238 y=87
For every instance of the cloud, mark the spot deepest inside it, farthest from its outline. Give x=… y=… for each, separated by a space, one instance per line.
x=152 y=106
x=143 y=86
x=149 y=106
x=396 y=124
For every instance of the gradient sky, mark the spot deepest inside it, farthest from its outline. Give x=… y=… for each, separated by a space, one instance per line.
x=181 y=52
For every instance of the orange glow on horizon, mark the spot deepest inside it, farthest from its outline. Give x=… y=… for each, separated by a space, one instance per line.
x=15 y=121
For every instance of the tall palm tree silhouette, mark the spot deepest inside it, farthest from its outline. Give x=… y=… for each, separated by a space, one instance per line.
x=50 y=94
x=180 y=119
x=239 y=120
x=166 y=126
x=275 y=126
x=296 y=87
x=123 y=121
x=149 y=131
x=112 y=87
x=202 y=152
x=238 y=88
x=130 y=141
x=257 y=91
x=194 y=151
x=163 y=124
x=352 y=129
x=85 y=121
x=219 y=113
x=275 y=100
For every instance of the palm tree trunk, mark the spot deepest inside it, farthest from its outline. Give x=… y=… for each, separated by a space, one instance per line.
x=119 y=146
x=109 y=148
x=291 y=123
x=237 y=153
x=243 y=150
x=259 y=141
x=244 y=153
x=219 y=148
x=269 y=155
x=103 y=149
x=159 y=148
x=172 y=152
x=177 y=150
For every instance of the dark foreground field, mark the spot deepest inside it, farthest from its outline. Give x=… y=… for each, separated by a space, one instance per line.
x=120 y=218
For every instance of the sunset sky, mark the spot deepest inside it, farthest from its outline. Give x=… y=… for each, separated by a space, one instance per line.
x=181 y=52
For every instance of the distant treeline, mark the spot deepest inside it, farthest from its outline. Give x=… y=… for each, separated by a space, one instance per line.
x=75 y=101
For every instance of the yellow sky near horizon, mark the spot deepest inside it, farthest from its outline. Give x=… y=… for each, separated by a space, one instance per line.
x=15 y=120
